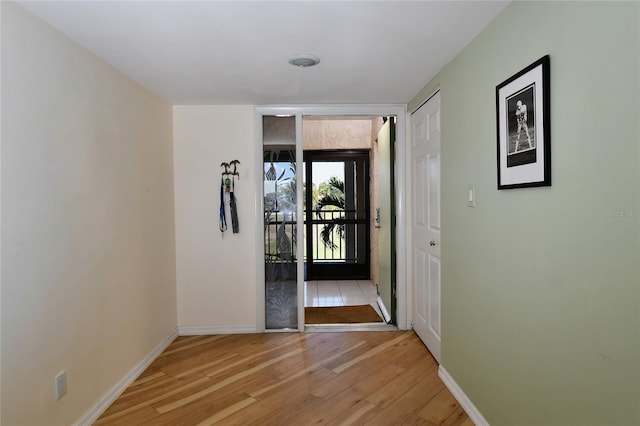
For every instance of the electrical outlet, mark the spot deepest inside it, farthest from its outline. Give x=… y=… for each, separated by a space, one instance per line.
x=61 y=384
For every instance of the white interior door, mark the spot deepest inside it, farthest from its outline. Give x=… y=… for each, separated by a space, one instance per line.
x=425 y=124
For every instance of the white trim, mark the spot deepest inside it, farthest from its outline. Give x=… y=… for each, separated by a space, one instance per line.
x=105 y=402
x=408 y=265
x=401 y=215
x=464 y=401
x=205 y=330
x=300 y=220
x=259 y=222
x=383 y=309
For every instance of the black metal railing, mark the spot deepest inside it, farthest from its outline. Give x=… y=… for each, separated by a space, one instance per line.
x=329 y=234
x=328 y=231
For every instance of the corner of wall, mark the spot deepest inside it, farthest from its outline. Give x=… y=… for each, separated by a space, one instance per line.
x=1 y=138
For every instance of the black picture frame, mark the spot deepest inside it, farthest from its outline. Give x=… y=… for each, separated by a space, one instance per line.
x=524 y=128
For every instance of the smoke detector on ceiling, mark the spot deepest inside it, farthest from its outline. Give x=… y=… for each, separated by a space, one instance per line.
x=304 y=60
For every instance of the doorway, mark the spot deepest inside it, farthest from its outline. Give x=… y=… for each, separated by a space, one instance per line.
x=297 y=115
x=337 y=215
x=349 y=170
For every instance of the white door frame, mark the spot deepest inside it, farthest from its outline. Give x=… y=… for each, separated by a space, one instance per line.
x=400 y=112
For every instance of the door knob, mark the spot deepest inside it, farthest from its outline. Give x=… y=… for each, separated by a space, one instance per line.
x=432 y=243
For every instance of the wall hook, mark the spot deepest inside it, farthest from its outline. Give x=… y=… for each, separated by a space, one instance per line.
x=235 y=163
x=227 y=166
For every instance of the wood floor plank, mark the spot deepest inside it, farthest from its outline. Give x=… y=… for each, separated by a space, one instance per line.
x=217 y=372
x=401 y=384
x=414 y=420
x=148 y=378
x=158 y=390
x=338 y=407
x=458 y=418
x=415 y=353
x=372 y=341
x=148 y=402
x=370 y=353
x=143 y=415
x=383 y=376
x=161 y=382
x=205 y=409
x=345 y=395
x=304 y=371
x=222 y=414
x=410 y=402
x=191 y=345
x=320 y=351
x=165 y=408
x=361 y=412
x=352 y=375
x=347 y=378
x=340 y=382
x=348 y=401
x=278 y=407
x=439 y=408
x=227 y=359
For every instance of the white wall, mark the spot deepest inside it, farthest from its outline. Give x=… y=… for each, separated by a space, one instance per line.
x=216 y=273
x=88 y=262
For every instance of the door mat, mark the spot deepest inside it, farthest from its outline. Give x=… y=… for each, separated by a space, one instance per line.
x=341 y=315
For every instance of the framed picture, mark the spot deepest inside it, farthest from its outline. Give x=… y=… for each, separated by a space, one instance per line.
x=524 y=143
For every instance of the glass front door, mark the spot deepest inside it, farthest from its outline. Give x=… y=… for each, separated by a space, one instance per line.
x=336 y=214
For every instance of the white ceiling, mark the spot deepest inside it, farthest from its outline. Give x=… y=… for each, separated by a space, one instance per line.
x=237 y=52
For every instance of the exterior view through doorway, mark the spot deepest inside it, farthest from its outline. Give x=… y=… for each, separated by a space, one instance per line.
x=337 y=215
x=342 y=232
x=349 y=177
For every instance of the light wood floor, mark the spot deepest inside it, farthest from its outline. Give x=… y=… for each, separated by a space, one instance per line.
x=376 y=378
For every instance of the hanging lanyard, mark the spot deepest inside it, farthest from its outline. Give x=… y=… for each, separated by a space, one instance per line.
x=223 y=216
x=233 y=207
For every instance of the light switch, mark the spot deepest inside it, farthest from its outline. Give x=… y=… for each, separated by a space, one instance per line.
x=471 y=195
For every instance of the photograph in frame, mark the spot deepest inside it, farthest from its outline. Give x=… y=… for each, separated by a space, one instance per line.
x=523 y=128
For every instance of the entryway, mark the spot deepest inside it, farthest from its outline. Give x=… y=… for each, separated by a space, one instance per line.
x=285 y=236
x=348 y=175
x=338 y=294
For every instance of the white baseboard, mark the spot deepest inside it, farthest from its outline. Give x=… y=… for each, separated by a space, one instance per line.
x=464 y=401
x=198 y=330
x=100 y=407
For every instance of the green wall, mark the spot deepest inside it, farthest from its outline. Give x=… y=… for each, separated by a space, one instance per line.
x=541 y=286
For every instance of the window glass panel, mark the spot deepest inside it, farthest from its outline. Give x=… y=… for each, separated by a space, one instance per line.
x=280 y=227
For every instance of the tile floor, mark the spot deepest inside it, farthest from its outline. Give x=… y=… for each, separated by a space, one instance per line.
x=340 y=293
